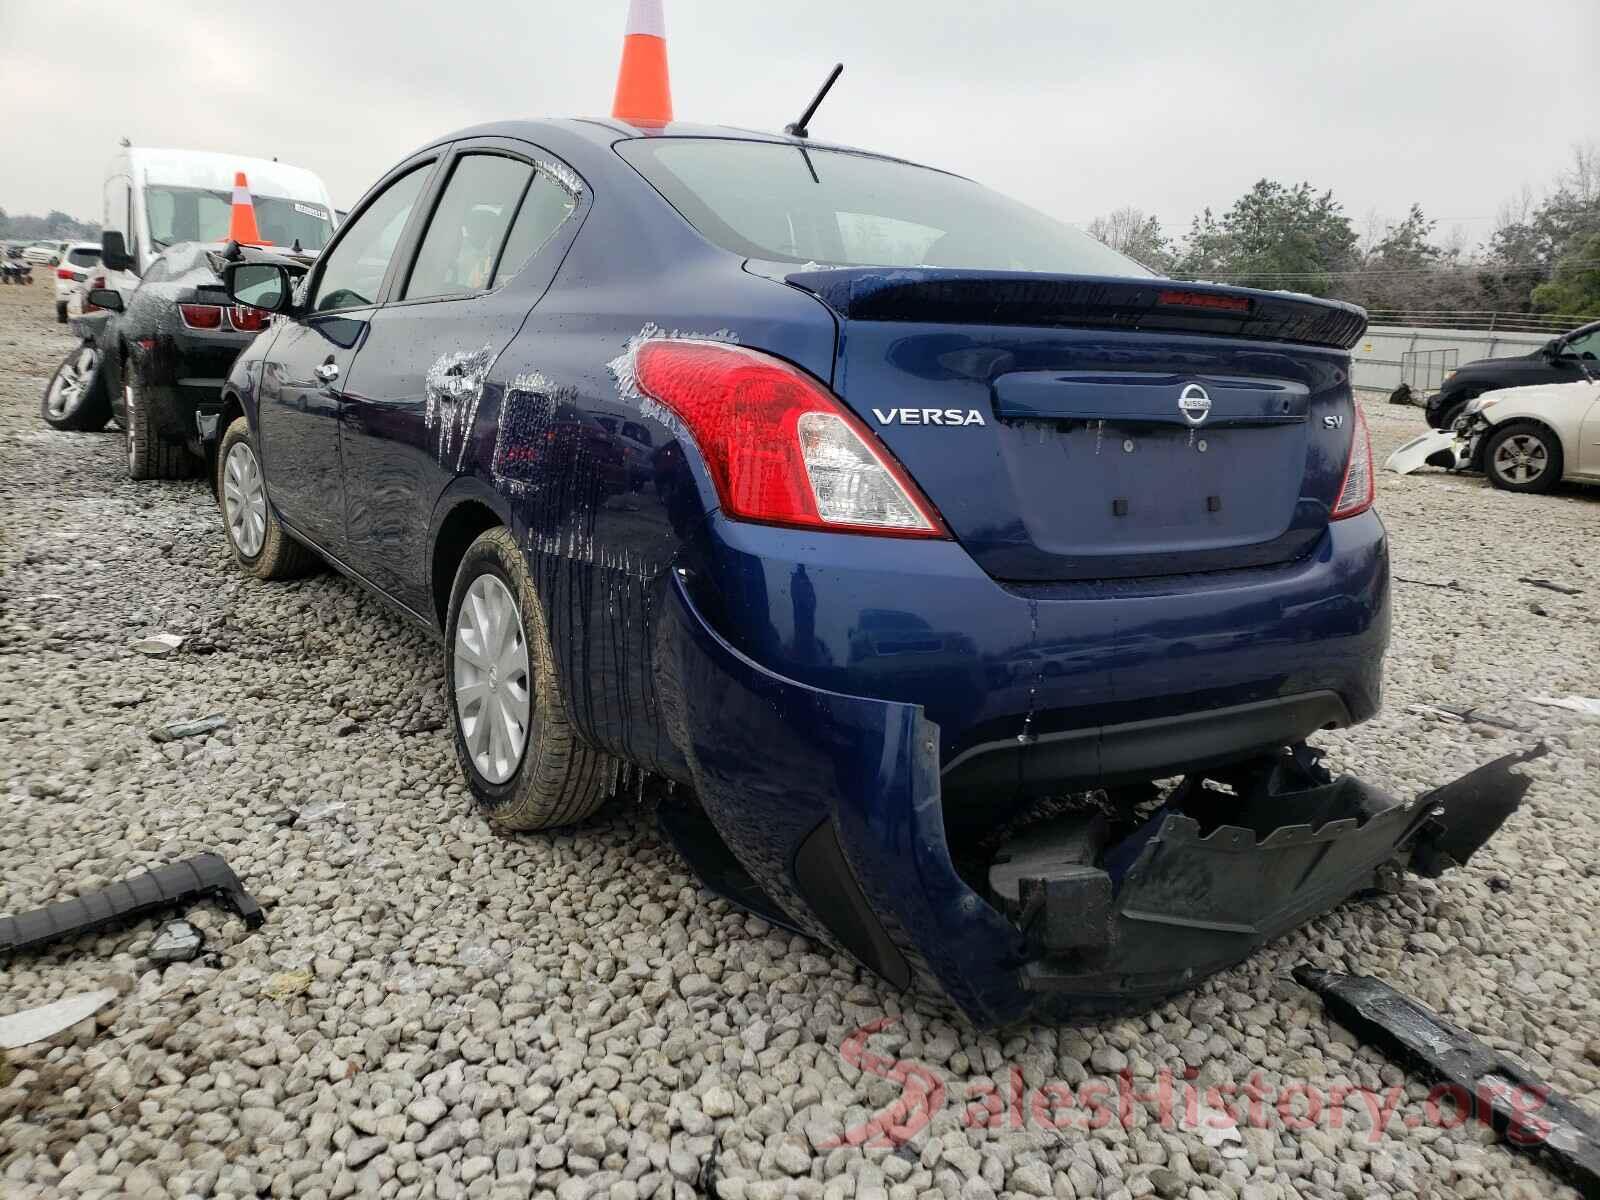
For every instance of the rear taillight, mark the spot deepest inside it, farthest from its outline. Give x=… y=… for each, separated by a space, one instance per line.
x=201 y=316
x=1355 y=496
x=248 y=320
x=780 y=448
x=64 y=273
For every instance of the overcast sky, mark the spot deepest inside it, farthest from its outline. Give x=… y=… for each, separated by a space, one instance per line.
x=1072 y=107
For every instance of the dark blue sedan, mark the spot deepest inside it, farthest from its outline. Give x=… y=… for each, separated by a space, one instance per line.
x=914 y=532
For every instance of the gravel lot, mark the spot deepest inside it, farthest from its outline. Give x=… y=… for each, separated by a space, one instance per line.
x=433 y=1009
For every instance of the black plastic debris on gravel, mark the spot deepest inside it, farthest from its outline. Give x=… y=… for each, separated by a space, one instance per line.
x=1483 y=1084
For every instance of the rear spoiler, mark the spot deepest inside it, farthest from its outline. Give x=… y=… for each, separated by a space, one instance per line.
x=962 y=297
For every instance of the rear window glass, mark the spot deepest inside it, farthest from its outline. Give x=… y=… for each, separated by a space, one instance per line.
x=83 y=258
x=779 y=201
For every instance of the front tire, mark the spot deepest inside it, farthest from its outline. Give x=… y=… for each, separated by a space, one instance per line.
x=523 y=760
x=150 y=456
x=1523 y=456
x=1442 y=413
x=74 y=400
x=259 y=542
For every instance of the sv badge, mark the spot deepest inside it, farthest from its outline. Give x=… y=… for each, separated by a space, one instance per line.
x=1333 y=421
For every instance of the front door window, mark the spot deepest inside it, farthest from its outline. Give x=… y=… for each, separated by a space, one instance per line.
x=353 y=273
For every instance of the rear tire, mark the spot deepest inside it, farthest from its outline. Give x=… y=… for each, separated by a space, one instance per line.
x=74 y=400
x=151 y=456
x=259 y=542
x=499 y=670
x=1523 y=456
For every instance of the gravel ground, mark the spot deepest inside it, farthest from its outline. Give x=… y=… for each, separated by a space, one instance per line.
x=434 y=1009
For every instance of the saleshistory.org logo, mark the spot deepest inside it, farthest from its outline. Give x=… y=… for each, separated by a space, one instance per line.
x=1172 y=1100
x=928 y=416
x=1194 y=402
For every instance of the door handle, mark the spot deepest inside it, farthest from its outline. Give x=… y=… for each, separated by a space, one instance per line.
x=328 y=372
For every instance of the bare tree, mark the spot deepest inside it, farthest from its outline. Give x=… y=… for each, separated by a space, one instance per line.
x=1135 y=233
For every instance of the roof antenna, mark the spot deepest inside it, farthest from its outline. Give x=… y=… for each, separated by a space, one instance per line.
x=798 y=129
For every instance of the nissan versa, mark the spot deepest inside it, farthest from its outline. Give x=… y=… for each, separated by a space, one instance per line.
x=916 y=533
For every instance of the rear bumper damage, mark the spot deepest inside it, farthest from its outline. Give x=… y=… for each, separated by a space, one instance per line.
x=823 y=812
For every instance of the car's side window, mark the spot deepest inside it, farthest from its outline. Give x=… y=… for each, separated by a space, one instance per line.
x=1585 y=347
x=545 y=207
x=353 y=273
x=468 y=227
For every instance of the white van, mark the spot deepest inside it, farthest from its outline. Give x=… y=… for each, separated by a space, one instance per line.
x=155 y=198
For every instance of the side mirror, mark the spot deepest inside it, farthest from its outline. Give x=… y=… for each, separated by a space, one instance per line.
x=259 y=285
x=114 y=251
x=107 y=298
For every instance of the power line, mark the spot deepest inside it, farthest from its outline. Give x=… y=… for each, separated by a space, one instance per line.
x=1395 y=273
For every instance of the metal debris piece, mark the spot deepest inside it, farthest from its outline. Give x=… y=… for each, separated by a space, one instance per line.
x=176 y=941
x=159 y=645
x=1589 y=706
x=37 y=1024
x=1550 y=585
x=202 y=875
x=1484 y=1083
x=1448 y=712
x=1453 y=586
x=173 y=730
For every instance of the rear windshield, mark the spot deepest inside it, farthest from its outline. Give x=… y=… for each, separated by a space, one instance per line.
x=779 y=201
x=180 y=214
x=83 y=258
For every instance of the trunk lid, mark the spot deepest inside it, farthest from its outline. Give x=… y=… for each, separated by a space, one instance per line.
x=1070 y=428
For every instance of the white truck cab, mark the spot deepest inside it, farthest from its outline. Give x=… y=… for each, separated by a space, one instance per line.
x=155 y=198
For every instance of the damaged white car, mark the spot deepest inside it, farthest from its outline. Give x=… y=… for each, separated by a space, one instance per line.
x=1525 y=439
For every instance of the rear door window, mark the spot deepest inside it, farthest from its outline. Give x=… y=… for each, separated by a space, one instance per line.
x=353 y=272
x=469 y=227
x=544 y=209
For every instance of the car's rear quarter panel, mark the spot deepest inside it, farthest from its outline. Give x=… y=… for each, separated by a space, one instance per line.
x=601 y=549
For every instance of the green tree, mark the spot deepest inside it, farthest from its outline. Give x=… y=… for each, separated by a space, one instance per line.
x=1274 y=236
x=1574 y=288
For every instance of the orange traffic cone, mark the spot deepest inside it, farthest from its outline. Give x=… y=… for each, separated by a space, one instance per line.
x=242 y=222
x=644 y=96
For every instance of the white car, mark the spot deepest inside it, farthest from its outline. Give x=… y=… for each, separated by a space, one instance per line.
x=72 y=273
x=49 y=253
x=1529 y=439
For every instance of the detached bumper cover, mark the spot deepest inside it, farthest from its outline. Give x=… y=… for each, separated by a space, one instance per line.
x=825 y=809
x=1437 y=448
